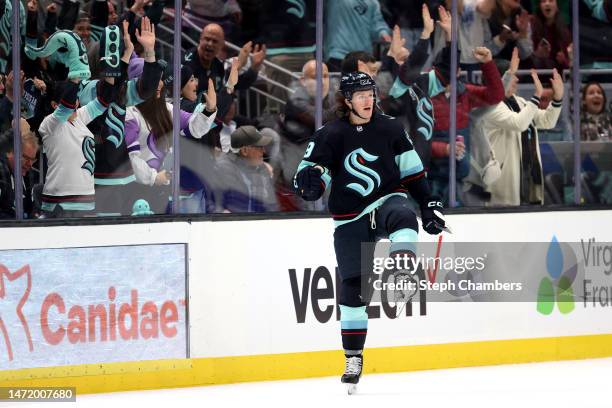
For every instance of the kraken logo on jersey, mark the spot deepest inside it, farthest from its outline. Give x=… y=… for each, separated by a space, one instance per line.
x=424 y=107
x=424 y=112
x=114 y=122
x=354 y=163
x=89 y=152
x=298 y=10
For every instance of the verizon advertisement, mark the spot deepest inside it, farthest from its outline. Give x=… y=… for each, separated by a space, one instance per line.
x=274 y=286
x=74 y=306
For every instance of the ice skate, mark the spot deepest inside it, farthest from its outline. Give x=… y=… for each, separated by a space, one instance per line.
x=352 y=373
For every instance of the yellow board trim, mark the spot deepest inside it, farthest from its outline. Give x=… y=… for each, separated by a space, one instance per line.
x=111 y=377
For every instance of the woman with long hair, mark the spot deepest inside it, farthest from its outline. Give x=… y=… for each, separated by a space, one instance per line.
x=595 y=116
x=148 y=132
x=551 y=37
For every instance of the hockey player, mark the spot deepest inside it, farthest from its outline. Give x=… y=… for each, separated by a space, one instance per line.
x=373 y=164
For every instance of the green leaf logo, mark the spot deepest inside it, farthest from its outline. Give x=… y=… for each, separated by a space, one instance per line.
x=557 y=286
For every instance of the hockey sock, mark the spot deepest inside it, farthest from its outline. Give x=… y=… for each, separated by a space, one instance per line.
x=403 y=240
x=354 y=328
x=403 y=249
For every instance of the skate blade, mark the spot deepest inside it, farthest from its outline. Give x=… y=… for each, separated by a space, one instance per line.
x=400 y=309
x=351 y=389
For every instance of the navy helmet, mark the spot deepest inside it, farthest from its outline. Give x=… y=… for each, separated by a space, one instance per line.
x=355 y=82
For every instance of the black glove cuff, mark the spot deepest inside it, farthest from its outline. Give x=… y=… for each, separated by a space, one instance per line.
x=69 y=94
x=105 y=92
x=433 y=203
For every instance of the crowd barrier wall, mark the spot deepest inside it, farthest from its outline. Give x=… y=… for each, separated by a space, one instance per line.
x=170 y=304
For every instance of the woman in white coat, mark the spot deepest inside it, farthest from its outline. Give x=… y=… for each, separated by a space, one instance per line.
x=512 y=129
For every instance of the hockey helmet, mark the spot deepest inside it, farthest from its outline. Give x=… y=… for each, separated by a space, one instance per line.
x=354 y=82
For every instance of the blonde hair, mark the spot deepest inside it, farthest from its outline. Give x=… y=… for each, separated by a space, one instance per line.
x=29 y=138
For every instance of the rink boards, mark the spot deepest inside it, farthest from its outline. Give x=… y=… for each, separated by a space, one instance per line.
x=120 y=307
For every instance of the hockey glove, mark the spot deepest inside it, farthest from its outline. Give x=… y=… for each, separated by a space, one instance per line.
x=431 y=215
x=308 y=183
x=111 y=49
x=71 y=52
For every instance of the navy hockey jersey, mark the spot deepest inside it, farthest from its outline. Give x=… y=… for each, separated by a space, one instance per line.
x=365 y=164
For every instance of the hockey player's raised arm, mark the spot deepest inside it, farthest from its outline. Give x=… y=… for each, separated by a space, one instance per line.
x=313 y=175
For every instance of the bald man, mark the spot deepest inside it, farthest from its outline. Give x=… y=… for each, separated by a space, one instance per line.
x=309 y=78
x=211 y=43
x=299 y=119
x=205 y=63
x=29 y=155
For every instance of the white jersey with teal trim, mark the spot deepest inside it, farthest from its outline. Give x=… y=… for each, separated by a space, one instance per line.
x=69 y=147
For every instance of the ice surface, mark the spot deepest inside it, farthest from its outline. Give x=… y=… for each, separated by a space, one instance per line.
x=582 y=383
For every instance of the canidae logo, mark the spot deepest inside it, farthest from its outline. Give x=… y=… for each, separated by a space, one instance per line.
x=556 y=288
x=63 y=323
x=127 y=321
x=24 y=275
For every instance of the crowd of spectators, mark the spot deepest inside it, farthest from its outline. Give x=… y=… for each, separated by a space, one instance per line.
x=97 y=110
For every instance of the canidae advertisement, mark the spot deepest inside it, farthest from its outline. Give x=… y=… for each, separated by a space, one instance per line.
x=88 y=305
